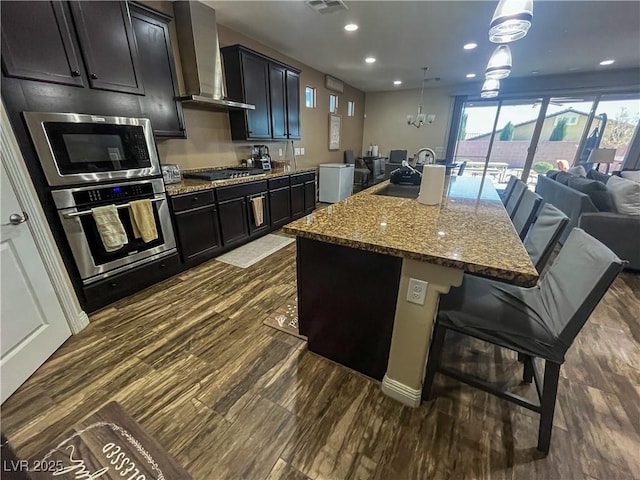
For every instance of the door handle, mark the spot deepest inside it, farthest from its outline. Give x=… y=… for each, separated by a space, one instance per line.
x=17 y=219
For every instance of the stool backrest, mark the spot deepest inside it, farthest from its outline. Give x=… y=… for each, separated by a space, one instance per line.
x=526 y=212
x=349 y=157
x=576 y=282
x=515 y=197
x=397 y=156
x=544 y=235
x=509 y=188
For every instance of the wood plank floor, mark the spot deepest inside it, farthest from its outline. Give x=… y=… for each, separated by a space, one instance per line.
x=230 y=398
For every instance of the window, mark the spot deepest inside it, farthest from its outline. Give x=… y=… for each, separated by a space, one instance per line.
x=310 y=97
x=351 y=108
x=333 y=103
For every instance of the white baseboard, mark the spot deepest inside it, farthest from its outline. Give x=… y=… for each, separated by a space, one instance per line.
x=399 y=391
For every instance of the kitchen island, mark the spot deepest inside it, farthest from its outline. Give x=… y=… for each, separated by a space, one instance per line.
x=355 y=260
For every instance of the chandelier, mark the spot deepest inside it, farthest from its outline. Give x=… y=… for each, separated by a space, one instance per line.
x=420 y=117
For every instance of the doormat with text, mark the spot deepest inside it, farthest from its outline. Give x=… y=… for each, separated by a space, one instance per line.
x=285 y=319
x=108 y=445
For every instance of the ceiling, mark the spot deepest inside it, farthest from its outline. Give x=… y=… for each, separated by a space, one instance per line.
x=565 y=37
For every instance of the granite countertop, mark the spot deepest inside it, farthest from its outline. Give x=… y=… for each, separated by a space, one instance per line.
x=190 y=185
x=470 y=229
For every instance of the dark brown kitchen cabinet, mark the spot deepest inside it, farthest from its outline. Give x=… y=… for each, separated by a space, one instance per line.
x=297 y=201
x=247 y=78
x=198 y=235
x=310 y=196
x=38 y=43
x=280 y=206
x=274 y=89
x=234 y=226
x=293 y=105
x=159 y=73
x=108 y=45
x=278 y=94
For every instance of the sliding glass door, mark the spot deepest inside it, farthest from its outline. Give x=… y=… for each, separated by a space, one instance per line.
x=527 y=137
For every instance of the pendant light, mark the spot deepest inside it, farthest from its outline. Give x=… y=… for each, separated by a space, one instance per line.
x=420 y=117
x=490 y=88
x=499 y=65
x=511 y=20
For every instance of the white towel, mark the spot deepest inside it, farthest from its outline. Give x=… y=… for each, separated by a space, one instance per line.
x=110 y=227
x=258 y=217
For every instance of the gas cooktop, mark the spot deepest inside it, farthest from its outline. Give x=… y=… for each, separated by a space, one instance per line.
x=225 y=174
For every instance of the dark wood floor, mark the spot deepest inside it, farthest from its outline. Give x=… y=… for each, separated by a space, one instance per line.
x=230 y=398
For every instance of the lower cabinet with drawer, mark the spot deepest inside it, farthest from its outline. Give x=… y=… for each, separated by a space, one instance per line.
x=196 y=223
x=110 y=289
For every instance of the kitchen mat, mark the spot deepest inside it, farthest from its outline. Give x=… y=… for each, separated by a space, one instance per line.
x=253 y=252
x=110 y=445
x=285 y=318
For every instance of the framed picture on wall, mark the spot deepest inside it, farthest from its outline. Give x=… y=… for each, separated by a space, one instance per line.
x=335 y=122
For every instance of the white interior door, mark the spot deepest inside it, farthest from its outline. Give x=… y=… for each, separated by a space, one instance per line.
x=32 y=323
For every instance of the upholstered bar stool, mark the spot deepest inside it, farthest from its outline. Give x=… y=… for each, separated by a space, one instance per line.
x=508 y=189
x=526 y=212
x=515 y=198
x=544 y=235
x=540 y=321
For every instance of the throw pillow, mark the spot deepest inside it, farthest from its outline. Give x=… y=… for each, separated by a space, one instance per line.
x=563 y=177
x=633 y=175
x=596 y=175
x=578 y=170
x=552 y=174
x=625 y=194
x=597 y=192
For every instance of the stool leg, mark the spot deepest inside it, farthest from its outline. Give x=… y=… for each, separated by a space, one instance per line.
x=527 y=374
x=433 y=361
x=548 y=404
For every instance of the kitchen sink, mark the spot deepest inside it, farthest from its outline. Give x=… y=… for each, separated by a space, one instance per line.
x=400 y=191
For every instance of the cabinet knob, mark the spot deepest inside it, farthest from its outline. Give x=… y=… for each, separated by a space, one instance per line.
x=75 y=73
x=113 y=284
x=162 y=265
x=94 y=76
x=194 y=199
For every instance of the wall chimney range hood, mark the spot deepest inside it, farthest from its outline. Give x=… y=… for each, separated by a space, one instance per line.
x=200 y=56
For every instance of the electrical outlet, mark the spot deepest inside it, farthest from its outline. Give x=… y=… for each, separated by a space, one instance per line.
x=417 y=291
x=297 y=151
x=302 y=151
x=280 y=152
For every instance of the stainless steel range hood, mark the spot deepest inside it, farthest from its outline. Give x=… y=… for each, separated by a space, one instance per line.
x=200 y=56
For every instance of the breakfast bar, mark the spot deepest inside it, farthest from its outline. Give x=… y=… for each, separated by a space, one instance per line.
x=371 y=270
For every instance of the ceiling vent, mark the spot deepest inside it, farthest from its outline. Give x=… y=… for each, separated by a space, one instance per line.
x=326 y=6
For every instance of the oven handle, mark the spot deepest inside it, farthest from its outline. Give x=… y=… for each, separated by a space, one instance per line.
x=88 y=212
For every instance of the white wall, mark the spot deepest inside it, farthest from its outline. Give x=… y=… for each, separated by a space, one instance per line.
x=385 y=123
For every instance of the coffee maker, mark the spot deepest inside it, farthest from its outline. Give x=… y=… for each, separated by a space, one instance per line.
x=261 y=157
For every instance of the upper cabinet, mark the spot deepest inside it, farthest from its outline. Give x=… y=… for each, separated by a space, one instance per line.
x=108 y=45
x=37 y=43
x=158 y=70
x=274 y=89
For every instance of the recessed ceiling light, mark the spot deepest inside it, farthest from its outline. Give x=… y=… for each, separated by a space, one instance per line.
x=470 y=75
x=607 y=62
x=351 y=27
x=370 y=60
x=470 y=46
x=534 y=72
x=397 y=82
x=573 y=69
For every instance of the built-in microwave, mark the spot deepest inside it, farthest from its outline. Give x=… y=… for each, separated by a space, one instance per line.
x=78 y=149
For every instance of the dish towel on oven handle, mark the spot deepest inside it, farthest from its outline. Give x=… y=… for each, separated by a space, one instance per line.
x=110 y=227
x=142 y=220
x=258 y=216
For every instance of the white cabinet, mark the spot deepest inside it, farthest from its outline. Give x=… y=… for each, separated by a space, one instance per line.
x=336 y=181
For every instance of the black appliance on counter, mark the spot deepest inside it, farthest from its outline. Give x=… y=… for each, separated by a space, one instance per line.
x=261 y=157
x=406 y=175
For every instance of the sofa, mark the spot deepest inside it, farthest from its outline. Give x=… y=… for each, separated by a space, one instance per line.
x=593 y=211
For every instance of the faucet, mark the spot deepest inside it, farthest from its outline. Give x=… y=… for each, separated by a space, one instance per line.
x=428 y=153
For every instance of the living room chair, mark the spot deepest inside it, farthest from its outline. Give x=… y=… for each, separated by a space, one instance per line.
x=515 y=198
x=361 y=175
x=508 y=189
x=544 y=235
x=540 y=321
x=526 y=212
